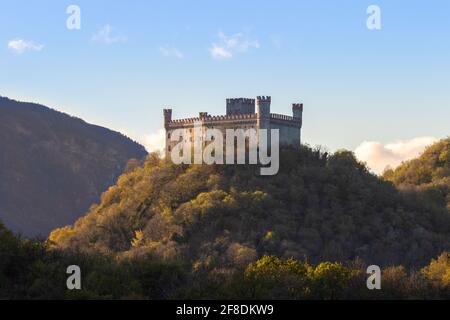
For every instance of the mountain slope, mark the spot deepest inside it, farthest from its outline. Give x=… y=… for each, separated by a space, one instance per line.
x=217 y=217
x=54 y=166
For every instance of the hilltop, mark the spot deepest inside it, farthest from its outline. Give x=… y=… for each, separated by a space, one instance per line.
x=320 y=207
x=54 y=166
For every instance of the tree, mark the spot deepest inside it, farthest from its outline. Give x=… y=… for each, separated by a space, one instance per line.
x=438 y=272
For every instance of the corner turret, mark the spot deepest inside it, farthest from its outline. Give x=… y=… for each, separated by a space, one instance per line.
x=167 y=116
x=263 y=106
x=297 y=110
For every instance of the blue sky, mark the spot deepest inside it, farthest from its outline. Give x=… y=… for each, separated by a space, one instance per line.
x=132 y=58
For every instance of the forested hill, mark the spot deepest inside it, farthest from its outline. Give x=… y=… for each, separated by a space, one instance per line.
x=429 y=174
x=54 y=166
x=319 y=207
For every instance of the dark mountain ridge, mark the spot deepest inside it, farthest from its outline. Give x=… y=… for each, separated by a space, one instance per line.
x=53 y=166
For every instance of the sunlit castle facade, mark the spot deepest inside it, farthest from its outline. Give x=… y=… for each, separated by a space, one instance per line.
x=241 y=113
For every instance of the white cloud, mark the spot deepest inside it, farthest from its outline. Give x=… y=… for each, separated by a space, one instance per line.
x=155 y=141
x=379 y=156
x=171 y=52
x=152 y=142
x=227 y=46
x=108 y=35
x=20 y=46
x=220 y=52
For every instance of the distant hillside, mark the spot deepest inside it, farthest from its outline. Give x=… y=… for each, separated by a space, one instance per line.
x=430 y=173
x=318 y=207
x=54 y=166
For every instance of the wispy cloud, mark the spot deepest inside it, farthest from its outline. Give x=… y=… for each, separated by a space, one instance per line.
x=21 y=46
x=108 y=35
x=379 y=156
x=220 y=52
x=171 y=52
x=227 y=46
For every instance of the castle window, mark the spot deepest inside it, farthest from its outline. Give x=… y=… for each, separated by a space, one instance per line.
x=169 y=148
x=168 y=136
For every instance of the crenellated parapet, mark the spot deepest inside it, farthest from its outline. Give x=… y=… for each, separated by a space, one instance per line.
x=297 y=110
x=240 y=106
x=263 y=99
x=209 y=119
x=263 y=109
x=277 y=116
x=285 y=119
x=241 y=100
x=167 y=116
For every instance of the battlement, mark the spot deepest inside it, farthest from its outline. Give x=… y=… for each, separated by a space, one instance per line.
x=297 y=110
x=240 y=106
x=263 y=99
x=209 y=118
x=241 y=100
x=284 y=117
x=167 y=116
x=263 y=105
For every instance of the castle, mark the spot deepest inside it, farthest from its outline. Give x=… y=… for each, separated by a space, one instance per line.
x=241 y=114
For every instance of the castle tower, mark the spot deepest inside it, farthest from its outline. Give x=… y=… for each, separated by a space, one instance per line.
x=297 y=113
x=240 y=106
x=297 y=110
x=167 y=117
x=263 y=115
x=263 y=112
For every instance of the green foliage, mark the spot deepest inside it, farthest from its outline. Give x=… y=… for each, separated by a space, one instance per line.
x=271 y=277
x=274 y=278
x=438 y=272
x=32 y=270
x=166 y=231
x=327 y=208
x=330 y=280
x=429 y=174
